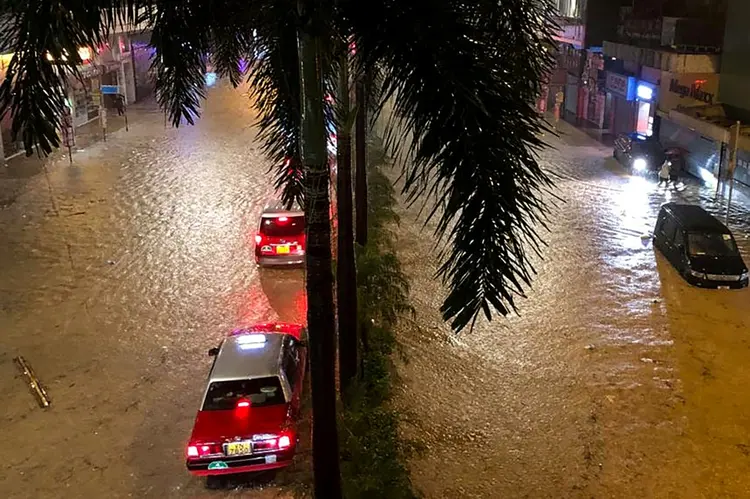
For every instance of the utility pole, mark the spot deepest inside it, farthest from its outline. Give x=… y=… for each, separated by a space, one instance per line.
x=722 y=157
x=732 y=165
x=68 y=132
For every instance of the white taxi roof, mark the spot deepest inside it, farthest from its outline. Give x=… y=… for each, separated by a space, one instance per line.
x=276 y=209
x=248 y=355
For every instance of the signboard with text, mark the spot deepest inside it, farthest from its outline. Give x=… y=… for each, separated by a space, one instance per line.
x=621 y=85
x=688 y=90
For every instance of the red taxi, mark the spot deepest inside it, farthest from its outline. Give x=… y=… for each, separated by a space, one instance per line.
x=247 y=421
x=281 y=237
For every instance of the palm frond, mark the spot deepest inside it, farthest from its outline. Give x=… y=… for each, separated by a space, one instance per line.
x=181 y=38
x=463 y=88
x=45 y=37
x=232 y=38
x=274 y=79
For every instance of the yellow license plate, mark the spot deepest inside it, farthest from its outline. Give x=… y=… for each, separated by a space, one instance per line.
x=239 y=448
x=282 y=249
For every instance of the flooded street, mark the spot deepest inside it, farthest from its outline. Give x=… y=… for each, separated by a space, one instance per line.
x=117 y=277
x=618 y=379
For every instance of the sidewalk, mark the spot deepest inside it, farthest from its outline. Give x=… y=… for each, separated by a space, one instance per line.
x=580 y=136
x=19 y=170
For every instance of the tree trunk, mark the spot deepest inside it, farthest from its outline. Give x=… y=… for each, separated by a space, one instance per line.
x=346 y=274
x=360 y=158
x=320 y=314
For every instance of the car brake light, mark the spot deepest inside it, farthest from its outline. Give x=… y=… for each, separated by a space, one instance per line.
x=284 y=442
x=243 y=403
x=258 y=239
x=192 y=451
x=282 y=220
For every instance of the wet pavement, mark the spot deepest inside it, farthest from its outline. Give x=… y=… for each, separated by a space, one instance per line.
x=118 y=273
x=618 y=379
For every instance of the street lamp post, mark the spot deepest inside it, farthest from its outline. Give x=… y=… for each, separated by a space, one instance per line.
x=732 y=166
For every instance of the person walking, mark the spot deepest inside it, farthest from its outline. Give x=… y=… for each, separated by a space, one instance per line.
x=664 y=173
x=120 y=104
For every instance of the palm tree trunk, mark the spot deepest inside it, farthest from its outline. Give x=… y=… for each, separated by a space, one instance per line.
x=320 y=314
x=346 y=274
x=360 y=158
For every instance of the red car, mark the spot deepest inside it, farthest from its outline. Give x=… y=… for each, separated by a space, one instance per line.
x=247 y=421
x=281 y=237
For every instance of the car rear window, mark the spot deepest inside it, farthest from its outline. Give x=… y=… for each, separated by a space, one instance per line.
x=261 y=392
x=711 y=245
x=282 y=226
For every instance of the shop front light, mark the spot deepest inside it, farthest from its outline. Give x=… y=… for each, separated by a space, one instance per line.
x=645 y=92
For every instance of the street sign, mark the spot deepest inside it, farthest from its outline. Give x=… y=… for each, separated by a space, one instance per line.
x=110 y=89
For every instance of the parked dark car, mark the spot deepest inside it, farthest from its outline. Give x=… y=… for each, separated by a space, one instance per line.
x=700 y=247
x=641 y=154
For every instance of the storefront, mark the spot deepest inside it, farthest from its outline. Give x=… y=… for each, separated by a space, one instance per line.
x=591 y=93
x=84 y=107
x=702 y=142
x=9 y=146
x=571 y=96
x=619 y=108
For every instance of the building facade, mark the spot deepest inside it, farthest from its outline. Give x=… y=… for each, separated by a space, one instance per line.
x=580 y=75
x=666 y=57
x=109 y=64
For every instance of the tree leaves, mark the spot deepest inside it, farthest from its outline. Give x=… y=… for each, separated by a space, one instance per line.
x=34 y=91
x=180 y=36
x=462 y=77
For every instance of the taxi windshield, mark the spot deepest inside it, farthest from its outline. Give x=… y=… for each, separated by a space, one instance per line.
x=260 y=392
x=283 y=226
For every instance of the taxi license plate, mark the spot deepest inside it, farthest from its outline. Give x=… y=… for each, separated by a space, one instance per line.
x=723 y=287
x=239 y=448
x=282 y=250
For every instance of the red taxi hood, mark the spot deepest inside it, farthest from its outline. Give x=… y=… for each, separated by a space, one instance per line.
x=217 y=426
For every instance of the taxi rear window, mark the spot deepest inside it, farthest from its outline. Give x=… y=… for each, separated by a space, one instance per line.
x=260 y=392
x=282 y=226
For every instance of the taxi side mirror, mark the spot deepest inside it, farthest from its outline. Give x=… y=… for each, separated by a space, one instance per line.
x=213 y=352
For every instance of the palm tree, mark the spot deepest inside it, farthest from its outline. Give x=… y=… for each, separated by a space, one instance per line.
x=461 y=77
x=346 y=273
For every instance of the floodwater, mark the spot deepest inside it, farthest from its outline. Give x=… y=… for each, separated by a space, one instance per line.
x=121 y=271
x=117 y=276
x=617 y=379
